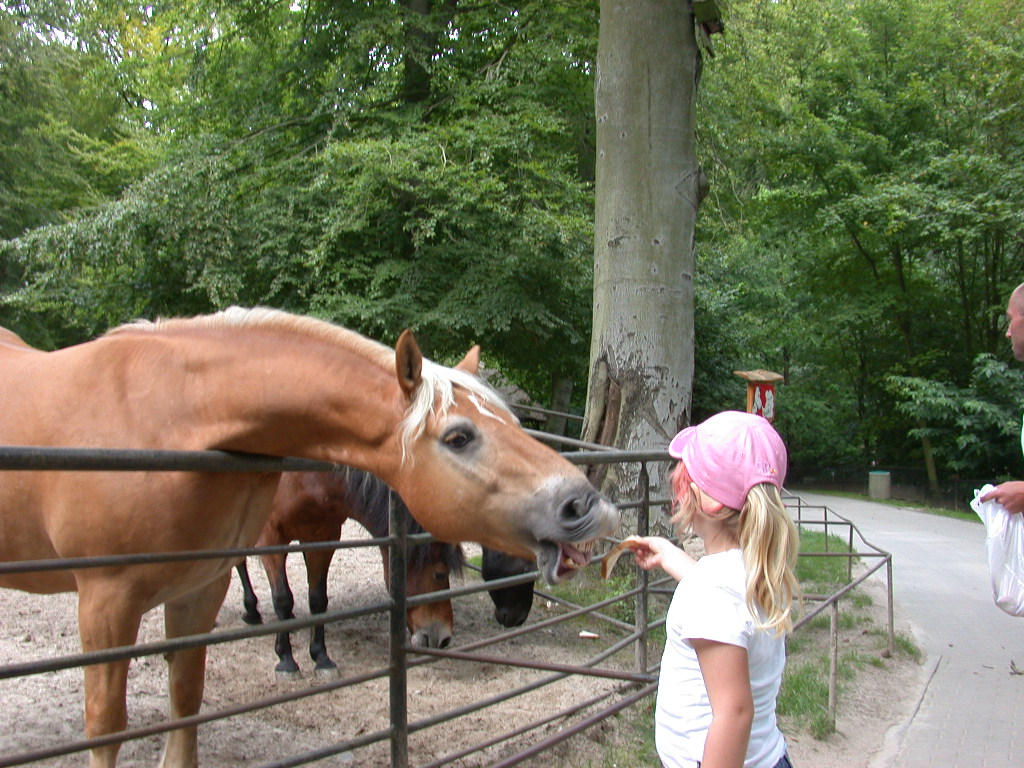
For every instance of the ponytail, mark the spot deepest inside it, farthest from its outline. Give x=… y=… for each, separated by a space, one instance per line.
x=770 y=544
x=769 y=541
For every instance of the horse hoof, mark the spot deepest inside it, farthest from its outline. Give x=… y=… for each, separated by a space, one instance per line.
x=327 y=673
x=287 y=669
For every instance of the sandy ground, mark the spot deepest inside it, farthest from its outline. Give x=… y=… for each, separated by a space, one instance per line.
x=46 y=709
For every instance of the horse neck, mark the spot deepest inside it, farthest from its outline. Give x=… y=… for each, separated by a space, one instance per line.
x=259 y=392
x=369 y=503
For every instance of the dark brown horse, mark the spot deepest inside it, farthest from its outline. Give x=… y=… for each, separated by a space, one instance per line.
x=313 y=506
x=511 y=604
x=266 y=382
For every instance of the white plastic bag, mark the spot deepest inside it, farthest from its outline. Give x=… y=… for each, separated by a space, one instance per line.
x=1005 y=542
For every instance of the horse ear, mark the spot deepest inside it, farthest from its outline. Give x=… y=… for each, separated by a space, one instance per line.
x=471 y=362
x=408 y=363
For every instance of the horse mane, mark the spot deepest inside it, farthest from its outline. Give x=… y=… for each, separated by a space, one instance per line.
x=436 y=391
x=372 y=495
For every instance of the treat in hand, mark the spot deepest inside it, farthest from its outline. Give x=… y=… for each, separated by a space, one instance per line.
x=608 y=561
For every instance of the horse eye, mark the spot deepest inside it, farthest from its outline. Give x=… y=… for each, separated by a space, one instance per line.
x=458 y=438
x=440 y=577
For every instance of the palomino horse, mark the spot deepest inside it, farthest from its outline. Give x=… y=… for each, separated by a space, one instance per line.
x=313 y=506
x=257 y=381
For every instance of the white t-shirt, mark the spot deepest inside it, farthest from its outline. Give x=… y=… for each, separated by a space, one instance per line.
x=710 y=604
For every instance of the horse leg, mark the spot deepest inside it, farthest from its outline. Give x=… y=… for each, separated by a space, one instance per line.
x=249 y=599
x=106 y=619
x=191 y=614
x=317 y=566
x=284 y=604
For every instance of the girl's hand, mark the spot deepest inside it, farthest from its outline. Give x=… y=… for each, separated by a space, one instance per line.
x=657 y=552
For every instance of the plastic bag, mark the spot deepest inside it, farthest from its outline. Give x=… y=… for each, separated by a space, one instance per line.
x=1005 y=543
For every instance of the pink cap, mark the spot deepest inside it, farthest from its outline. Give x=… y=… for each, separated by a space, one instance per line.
x=729 y=453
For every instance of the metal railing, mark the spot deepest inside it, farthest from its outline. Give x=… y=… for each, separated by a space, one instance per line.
x=857 y=548
x=635 y=679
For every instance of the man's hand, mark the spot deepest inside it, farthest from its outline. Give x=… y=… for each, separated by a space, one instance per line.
x=1010 y=495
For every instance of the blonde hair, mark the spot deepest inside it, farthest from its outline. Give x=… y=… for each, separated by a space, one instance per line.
x=769 y=541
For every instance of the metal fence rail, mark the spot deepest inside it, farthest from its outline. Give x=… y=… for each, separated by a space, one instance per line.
x=637 y=677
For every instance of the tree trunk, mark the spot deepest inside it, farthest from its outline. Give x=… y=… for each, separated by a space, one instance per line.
x=561 y=400
x=648 y=190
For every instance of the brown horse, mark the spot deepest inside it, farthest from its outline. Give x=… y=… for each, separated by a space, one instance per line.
x=313 y=506
x=257 y=381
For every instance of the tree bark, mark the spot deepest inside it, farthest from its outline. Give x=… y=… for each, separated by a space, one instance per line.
x=649 y=187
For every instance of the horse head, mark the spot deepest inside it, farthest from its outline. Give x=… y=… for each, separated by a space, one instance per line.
x=516 y=494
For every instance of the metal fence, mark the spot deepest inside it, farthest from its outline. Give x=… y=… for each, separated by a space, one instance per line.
x=623 y=665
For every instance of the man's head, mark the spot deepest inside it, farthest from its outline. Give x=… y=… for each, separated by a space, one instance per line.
x=1015 y=326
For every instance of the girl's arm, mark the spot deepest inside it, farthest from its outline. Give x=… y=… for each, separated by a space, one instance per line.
x=727 y=678
x=657 y=552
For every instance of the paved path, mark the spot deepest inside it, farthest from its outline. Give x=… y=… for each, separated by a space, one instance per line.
x=971 y=708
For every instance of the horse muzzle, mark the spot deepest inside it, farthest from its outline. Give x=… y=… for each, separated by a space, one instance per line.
x=566 y=543
x=431 y=636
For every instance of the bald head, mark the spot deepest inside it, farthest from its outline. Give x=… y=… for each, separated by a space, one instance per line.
x=1015 y=326
x=1017 y=297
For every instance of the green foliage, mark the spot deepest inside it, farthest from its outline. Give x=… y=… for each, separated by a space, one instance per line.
x=64 y=145
x=977 y=425
x=871 y=168
x=387 y=168
x=362 y=162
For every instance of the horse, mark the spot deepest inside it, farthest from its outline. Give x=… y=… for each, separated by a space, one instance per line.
x=253 y=381
x=511 y=604
x=313 y=506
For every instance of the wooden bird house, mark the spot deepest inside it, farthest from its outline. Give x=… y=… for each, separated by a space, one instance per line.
x=761 y=391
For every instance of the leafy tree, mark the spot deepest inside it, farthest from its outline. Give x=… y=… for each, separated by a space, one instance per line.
x=64 y=145
x=322 y=157
x=975 y=428
x=872 y=157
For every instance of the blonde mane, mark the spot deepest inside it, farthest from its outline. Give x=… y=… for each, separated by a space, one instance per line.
x=436 y=393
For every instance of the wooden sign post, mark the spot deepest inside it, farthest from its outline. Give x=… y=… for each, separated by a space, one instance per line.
x=761 y=391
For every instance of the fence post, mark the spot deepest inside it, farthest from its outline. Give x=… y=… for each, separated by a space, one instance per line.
x=398 y=524
x=643 y=529
x=849 y=560
x=833 y=663
x=892 y=627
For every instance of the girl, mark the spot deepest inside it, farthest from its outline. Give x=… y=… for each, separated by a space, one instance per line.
x=727 y=622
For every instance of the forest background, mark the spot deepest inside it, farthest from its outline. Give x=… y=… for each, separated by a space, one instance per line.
x=388 y=164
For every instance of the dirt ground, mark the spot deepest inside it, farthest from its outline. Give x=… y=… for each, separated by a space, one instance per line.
x=46 y=709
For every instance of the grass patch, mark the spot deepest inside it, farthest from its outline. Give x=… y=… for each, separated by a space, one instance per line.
x=803 y=690
x=588 y=587
x=803 y=698
x=817 y=570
